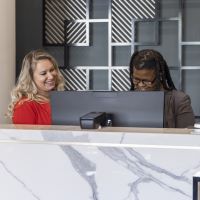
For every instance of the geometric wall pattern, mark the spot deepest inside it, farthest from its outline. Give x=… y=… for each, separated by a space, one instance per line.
x=75 y=79
x=120 y=80
x=76 y=33
x=56 y=12
x=68 y=23
x=122 y=14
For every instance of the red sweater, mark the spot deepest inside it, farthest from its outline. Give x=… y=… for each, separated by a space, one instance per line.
x=32 y=112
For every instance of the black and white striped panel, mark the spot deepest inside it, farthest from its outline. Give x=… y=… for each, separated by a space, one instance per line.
x=75 y=79
x=120 y=80
x=123 y=11
x=76 y=33
x=56 y=12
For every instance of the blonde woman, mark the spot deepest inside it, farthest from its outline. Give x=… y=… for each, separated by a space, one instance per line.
x=30 y=98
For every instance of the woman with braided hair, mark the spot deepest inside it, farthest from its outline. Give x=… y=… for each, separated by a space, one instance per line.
x=150 y=72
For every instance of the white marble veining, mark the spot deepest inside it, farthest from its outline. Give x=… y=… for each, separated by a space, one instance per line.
x=73 y=164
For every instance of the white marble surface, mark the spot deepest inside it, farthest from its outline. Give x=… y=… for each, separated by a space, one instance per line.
x=197 y=174
x=67 y=163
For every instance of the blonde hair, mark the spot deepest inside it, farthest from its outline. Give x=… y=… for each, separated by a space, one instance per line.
x=25 y=86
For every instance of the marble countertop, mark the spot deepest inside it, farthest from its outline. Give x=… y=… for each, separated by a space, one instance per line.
x=49 y=162
x=197 y=174
x=102 y=129
x=106 y=136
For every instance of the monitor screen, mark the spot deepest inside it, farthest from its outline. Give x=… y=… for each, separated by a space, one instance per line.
x=127 y=108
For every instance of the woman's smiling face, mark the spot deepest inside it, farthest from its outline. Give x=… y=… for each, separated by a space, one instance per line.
x=45 y=76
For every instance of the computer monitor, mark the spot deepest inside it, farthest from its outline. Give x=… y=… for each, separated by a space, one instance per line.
x=128 y=108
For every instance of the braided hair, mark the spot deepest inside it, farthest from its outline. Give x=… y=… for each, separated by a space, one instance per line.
x=151 y=59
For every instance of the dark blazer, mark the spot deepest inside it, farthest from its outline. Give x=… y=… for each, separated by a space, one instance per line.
x=178 y=110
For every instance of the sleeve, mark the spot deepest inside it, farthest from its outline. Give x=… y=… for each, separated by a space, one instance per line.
x=185 y=116
x=24 y=114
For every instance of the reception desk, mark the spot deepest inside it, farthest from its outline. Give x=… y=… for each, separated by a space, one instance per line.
x=65 y=162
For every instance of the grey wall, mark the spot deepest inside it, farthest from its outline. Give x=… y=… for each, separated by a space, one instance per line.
x=29 y=30
x=29 y=36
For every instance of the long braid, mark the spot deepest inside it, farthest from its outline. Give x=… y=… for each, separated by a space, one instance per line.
x=169 y=79
x=165 y=76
